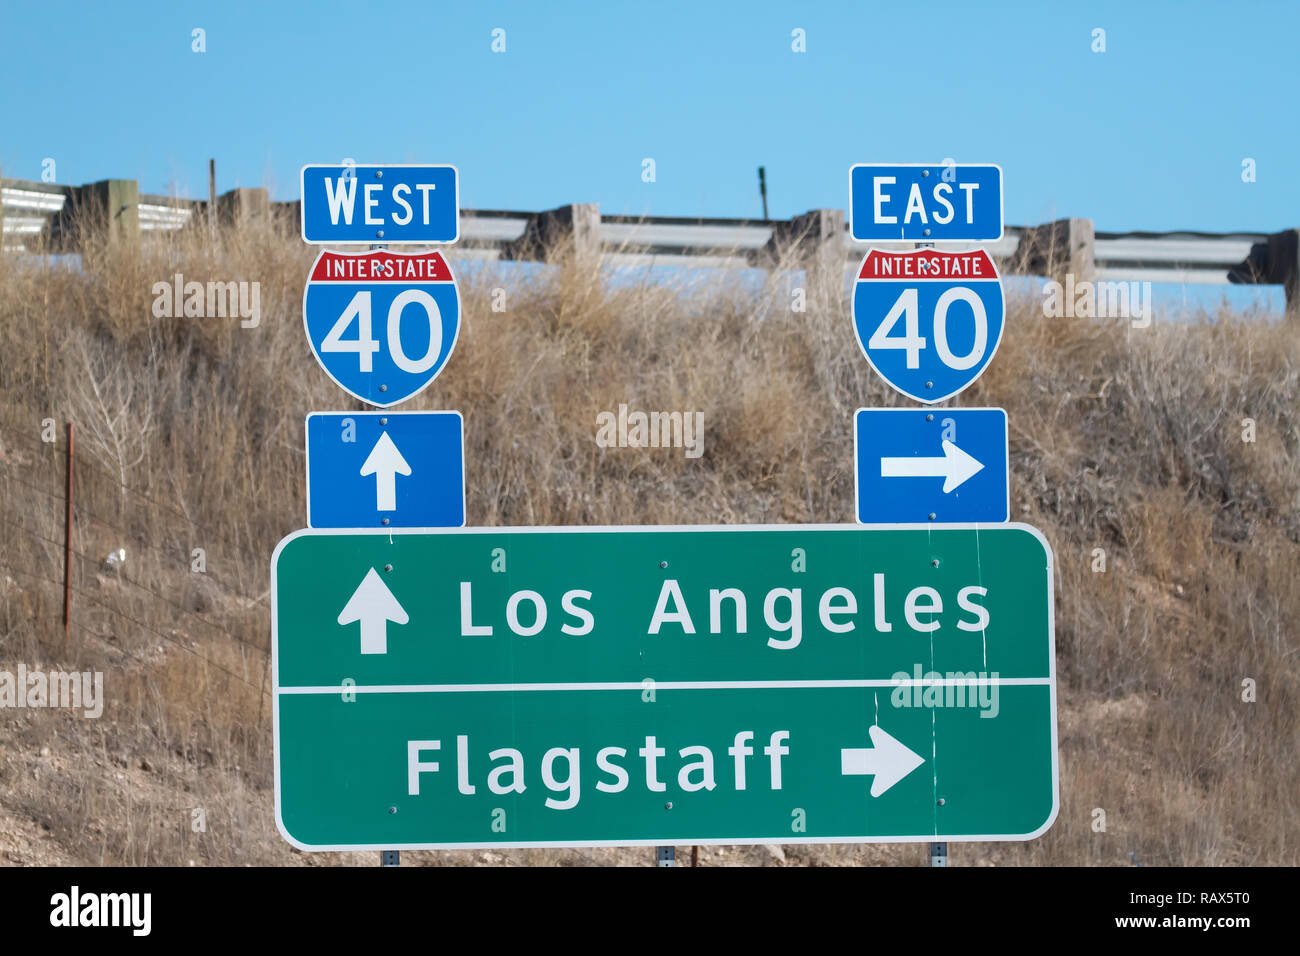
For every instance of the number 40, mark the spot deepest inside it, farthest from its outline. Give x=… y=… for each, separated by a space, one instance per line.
x=913 y=342
x=366 y=345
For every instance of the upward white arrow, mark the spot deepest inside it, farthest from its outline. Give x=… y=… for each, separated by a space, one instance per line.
x=385 y=462
x=374 y=606
x=889 y=761
x=954 y=467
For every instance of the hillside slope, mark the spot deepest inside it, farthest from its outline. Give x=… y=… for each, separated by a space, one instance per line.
x=1126 y=444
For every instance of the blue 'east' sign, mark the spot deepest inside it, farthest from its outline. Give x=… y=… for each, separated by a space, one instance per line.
x=385 y=470
x=916 y=203
x=388 y=204
x=941 y=464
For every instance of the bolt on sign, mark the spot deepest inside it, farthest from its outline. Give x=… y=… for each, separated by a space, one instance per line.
x=477 y=687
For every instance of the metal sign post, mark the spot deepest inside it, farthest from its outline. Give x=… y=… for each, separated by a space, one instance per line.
x=344 y=287
x=938 y=851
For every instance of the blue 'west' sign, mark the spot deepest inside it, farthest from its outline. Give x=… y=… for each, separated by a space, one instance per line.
x=388 y=204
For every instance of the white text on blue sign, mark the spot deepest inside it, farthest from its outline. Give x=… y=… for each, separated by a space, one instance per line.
x=389 y=205
x=947 y=203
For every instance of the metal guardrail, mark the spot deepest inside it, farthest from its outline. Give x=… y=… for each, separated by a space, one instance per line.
x=1184 y=257
x=26 y=211
x=30 y=209
x=163 y=216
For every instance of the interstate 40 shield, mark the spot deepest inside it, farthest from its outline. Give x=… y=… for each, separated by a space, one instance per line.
x=382 y=324
x=927 y=320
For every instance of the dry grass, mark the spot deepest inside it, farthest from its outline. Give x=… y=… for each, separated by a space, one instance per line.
x=1124 y=440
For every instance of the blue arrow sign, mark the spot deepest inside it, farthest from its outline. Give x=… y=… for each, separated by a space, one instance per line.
x=389 y=204
x=941 y=464
x=917 y=203
x=385 y=469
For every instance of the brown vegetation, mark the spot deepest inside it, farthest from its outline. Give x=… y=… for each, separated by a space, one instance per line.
x=190 y=435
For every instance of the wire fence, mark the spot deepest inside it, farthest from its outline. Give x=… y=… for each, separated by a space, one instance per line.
x=202 y=603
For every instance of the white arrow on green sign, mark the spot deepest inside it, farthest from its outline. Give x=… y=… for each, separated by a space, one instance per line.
x=475 y=687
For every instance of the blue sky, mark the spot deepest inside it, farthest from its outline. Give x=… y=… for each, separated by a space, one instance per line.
x=1150 y=134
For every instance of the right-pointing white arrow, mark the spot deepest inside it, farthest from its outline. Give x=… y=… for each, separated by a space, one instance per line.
x=889 y=761
x=954 y=467
x=374 y=606
x=385 y=462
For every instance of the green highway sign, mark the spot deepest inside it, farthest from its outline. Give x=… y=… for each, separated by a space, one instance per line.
x=476 y=687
